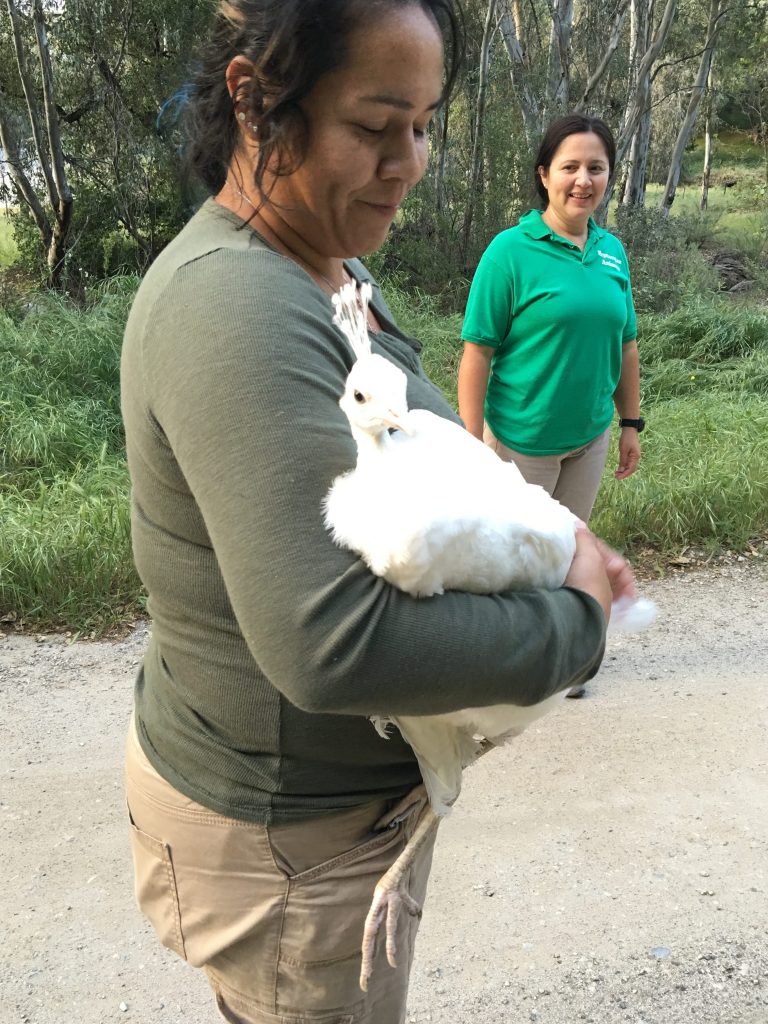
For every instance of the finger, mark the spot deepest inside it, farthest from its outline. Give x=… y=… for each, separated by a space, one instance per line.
x=618 y=570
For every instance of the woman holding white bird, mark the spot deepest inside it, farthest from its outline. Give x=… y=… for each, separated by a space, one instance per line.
x=264 y=806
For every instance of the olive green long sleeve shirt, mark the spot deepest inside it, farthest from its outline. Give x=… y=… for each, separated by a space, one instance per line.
x=270 y=645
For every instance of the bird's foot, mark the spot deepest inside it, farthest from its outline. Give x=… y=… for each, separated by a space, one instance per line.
x=386 y=908
x=390 y=897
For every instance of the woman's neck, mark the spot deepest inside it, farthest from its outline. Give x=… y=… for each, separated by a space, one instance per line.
x=328 y=271
x=574 y=231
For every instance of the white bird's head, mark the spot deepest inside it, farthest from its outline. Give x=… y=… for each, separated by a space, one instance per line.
x=374 y=398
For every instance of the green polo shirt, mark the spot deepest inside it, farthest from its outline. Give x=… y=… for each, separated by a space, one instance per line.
x=557 y=318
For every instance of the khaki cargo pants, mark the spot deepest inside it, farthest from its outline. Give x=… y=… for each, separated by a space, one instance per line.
x=273 y=914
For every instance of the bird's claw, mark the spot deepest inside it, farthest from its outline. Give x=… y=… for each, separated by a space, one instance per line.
x=386 y=907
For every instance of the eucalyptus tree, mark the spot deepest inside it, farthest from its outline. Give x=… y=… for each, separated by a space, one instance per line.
x=713 y=30
x=39 y=176
x=88 y=128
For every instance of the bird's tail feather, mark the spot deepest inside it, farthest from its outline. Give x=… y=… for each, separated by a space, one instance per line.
x=630 y=615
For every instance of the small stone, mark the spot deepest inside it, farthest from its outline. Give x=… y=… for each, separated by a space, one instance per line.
x=660 y=952
x=123 y=1007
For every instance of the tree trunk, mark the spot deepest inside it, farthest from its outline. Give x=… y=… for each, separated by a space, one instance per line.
x=475 y=174
x=518 y=70
x=697 y=92
x=61 y=198
x=442 y=134
x=635 y=168
x=707 y=143
x=558 y=63
x=610 y=49
x=637 y=102
x=24 y=188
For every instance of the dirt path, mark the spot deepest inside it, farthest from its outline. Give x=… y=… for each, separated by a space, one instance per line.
x=611 y=866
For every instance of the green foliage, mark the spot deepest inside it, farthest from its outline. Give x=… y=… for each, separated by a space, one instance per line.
x=666 y=267
x=705 y=393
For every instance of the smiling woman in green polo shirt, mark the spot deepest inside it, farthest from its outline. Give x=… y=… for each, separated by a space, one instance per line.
x=549 y=333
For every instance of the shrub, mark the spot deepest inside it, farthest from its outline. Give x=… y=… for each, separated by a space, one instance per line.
x=664 y=266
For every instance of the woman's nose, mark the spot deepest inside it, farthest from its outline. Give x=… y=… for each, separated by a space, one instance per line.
x=583 y=176
x=405 y=160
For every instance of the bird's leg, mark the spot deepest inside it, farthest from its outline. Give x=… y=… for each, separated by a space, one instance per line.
x=391 y=894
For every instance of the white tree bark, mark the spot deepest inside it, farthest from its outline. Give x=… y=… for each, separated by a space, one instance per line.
x=638 y=101
x=558 y=63
x=518 y=70
x=633 y=192
x=697 y=92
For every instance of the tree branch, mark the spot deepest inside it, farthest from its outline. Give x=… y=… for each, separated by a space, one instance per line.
x=613 y=42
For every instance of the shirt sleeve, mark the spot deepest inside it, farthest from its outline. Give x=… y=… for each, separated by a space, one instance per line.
x=488 y=316
x=248 y=401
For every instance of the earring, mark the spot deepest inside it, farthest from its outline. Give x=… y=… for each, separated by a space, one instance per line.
x=241 y=115
x=254 y=127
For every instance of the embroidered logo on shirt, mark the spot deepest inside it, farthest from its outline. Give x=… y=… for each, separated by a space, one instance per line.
x=609 y=260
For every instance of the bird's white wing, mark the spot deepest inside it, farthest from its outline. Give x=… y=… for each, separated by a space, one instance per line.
x=442 y=750
x=445 y=744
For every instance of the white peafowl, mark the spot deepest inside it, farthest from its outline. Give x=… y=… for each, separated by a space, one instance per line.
x=431 y=508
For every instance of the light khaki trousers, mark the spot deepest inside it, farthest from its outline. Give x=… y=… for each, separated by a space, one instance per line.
x=274 y=914
x=572 y=478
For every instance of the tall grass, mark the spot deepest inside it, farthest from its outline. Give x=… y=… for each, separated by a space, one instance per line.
x=702 y=479
x=64 y=524
x=65 y=535
x=8 y=251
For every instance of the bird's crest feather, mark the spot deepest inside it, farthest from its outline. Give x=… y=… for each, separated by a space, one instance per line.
x=351 y=317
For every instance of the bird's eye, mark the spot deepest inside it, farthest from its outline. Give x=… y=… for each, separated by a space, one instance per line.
x=359 y=396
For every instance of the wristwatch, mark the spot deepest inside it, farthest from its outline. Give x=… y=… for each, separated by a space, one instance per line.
x=638 y=424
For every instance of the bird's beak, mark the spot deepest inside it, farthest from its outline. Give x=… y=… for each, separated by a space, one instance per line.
x=396 y=421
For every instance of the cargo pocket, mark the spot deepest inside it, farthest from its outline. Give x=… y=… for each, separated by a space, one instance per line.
x=238 y=1010
x=323 y=920
x=155 y=887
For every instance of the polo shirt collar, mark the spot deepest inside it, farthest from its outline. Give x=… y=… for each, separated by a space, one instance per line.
x=534 y=226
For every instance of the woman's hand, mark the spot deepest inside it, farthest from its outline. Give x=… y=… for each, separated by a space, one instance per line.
x=589 y=570
x=618 y=570
x=600 y=571
x=629 y=453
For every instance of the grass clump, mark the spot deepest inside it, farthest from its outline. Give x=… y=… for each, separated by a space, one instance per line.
x=65 y=555
x=702 y=480
x=418 y=314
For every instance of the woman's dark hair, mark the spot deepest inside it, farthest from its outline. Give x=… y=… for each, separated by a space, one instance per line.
x=292 y=44
x=558 y=132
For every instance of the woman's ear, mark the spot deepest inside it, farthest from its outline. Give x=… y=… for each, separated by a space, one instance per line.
x=239 y=74
x=542 y=173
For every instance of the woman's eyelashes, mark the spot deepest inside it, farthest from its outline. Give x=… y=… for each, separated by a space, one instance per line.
x=418 y=133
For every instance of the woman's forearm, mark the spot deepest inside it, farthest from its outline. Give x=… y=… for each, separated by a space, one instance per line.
x=474 y=370
x=627 y=394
